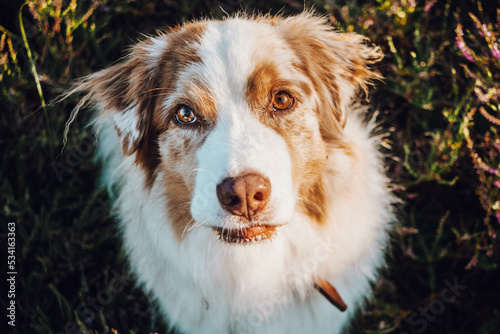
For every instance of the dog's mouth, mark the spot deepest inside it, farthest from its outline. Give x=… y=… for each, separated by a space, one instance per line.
x=246 y=234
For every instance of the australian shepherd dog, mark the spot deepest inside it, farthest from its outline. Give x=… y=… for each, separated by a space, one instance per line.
x=245 y=175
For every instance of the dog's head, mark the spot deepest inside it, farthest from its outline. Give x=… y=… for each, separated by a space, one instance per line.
x=234 y=119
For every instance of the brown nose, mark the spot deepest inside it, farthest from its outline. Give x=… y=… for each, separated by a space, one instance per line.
x=244 y=195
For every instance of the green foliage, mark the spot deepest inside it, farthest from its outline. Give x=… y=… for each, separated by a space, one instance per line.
x=440 y=100
x=441 y=69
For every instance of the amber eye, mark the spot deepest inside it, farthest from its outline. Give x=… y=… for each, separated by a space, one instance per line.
x=282 y=101
x=185 y=115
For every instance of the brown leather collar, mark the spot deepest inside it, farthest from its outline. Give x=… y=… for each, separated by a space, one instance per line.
x=330 y=293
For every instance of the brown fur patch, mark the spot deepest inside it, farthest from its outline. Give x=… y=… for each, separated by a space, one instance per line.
x=313 y=200
x=179 y=170
x=265 y=81
x=178 y=201
x=306 y=146
x=135 y=82
x=179 y=166
x=330 y=60
x=315 y=63
x=199 y=97
x=181 y=52
x=333 y=63
x=312 y=193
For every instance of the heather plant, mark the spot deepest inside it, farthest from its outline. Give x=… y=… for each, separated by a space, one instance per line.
x=438 y=105
x=479 y=47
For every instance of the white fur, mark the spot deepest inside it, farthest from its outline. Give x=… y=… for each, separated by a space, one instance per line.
x=237 y=145
x=155 y=49
x=126 y=122
x=206 y=286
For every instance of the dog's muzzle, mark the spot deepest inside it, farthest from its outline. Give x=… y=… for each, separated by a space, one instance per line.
x=244 y=197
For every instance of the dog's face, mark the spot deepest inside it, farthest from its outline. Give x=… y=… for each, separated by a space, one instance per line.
x=234 y=119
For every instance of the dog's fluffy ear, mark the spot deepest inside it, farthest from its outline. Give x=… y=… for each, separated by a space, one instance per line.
x=123 y=93
x=338 y=63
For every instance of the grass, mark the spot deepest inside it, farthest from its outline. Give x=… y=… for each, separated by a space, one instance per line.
x=439 y=100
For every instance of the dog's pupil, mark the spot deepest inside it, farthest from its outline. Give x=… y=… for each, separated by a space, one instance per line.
x=186 y=113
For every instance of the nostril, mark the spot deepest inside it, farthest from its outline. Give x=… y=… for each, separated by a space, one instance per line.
x=234 y=201
x=258 y=196
x=227 y=197
x=230 y=196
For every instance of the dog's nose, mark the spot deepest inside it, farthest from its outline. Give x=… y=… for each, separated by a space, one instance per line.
x=244 y=195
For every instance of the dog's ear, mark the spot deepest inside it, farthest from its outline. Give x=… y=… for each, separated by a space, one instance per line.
x=124 y=93
x=337 y=63
x=354 y=55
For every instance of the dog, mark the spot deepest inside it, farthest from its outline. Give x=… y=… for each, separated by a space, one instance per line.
x=245 y=175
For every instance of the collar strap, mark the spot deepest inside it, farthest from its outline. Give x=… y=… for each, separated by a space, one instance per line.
x=330 y=293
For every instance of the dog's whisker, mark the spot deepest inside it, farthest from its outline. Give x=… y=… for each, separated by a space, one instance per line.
x=180 y=205
x=190 y=226
x=305 y=202
x=187 y=228
x=200 y=170
x=196 y=225
x=154 y=89
x=221 y=250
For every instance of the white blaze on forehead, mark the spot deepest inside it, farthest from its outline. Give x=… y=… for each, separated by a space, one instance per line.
x=239 y=143
x=228 y=51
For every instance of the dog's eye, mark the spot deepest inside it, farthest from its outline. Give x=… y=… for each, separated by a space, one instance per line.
x=185 y=115
x=282 y=101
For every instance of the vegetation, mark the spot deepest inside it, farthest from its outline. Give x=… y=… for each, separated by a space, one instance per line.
x=439 y=102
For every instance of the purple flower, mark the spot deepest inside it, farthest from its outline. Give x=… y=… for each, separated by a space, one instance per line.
x=494 y=51
x=491 y=170
x=463 y=48
x=497 y=184
x=472 y=263
x=409 y=253
x=429 y=5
